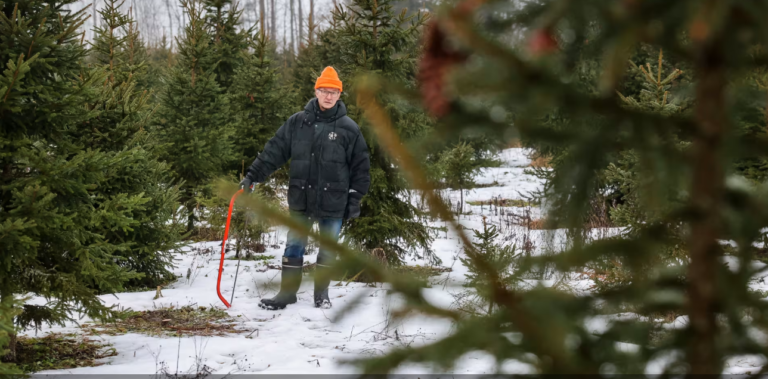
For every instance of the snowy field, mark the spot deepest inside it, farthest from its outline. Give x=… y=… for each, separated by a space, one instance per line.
x=304 y=340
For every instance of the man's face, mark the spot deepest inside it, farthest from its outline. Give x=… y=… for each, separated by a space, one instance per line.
x=327 y=97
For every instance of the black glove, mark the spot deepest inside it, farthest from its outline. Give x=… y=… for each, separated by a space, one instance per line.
x=247 y=184
x=353 y=206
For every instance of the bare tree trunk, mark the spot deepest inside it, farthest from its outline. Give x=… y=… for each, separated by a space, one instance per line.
x=95 y=18
x=170 y=16
x=178 y=20
x=293 y=41
x=262 y=19
x=301 y=26
x=274 y=20
x=311 y=20
x=249 y=7
x=136 y=14
x=706 y=197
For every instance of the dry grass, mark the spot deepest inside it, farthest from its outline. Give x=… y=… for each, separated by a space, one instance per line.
x=538 y=224
x=519 y=203
x=540 y=161
x=171 y=321
x=418 y=272
x=59 y=351
x=252 y=257
x=533 y=224
x=422 y=273
x=207 y=234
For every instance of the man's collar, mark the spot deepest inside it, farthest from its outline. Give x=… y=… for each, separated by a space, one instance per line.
x=328 y=113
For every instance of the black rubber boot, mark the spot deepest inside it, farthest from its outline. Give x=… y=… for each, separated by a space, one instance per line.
x=322 y=280
x=289 y=285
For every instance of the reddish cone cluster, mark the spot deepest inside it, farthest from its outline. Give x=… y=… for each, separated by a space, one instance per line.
x=433 y=68
x=542 y=42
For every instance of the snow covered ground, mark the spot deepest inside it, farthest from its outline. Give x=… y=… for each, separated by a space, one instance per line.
x=304 y=340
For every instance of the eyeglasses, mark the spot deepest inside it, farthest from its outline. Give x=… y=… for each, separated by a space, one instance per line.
x=328 y=93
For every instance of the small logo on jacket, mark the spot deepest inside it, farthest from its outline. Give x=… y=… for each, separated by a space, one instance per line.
x=332 y=136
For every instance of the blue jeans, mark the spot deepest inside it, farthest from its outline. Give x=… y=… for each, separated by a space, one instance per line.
x=296 y=244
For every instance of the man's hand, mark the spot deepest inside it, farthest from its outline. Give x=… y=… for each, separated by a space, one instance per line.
x=247 y=184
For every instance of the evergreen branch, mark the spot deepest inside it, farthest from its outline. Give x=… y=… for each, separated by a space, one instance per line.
x=14 y=14
x=647 y=74
x=500 y=294
x=674 y=75
x=37 y=33
x=73 y=27
x=460 y=25
x=15 y=76
x=661 y=54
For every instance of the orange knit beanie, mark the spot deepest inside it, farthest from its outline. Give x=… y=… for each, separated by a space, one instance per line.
x=328 y=79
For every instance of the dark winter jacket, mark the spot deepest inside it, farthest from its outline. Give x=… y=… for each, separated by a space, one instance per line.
x=329 y=173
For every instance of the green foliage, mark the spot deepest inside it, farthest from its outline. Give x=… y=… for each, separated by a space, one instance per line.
x=752 y=121
x=676 y=161
x=501 y=257
x=192 y=122
x=138 y=187
x=56 y=199
x=258 y=100
x=117 y=45
x=643 y=200
x=228 y=39
x=459 y=167
x=8 y=310
x=159 y=59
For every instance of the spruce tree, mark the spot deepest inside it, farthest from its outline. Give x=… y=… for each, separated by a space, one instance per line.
x=502 y=257
x=54 y=201
x=228 y=39
x=459 y=168
x=564 y=87
x=159 y=59
x=121 y=114
x=193 y=122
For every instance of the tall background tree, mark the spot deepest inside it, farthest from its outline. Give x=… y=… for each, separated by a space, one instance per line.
x=229 y=36
x=123 y=113
x=193 y=120
x=57 y=191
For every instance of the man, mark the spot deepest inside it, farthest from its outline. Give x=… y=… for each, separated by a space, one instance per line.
x=329 y=175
